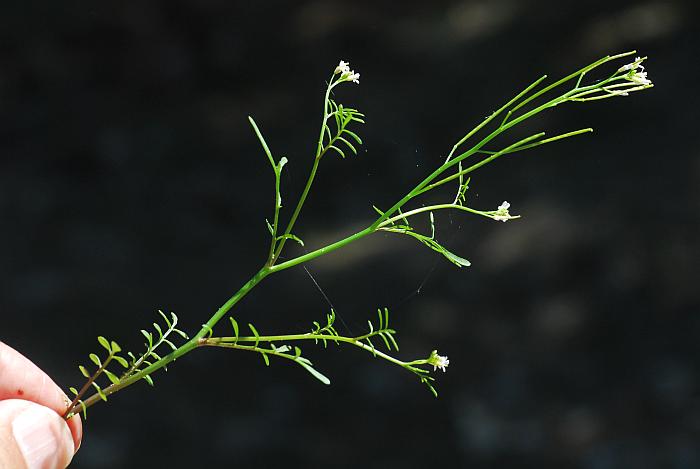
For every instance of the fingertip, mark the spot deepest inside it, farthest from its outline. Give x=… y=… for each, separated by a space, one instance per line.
x=38 y=436
x=75 y=424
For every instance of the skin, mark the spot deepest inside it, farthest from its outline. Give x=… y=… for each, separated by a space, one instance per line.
x=25 y=387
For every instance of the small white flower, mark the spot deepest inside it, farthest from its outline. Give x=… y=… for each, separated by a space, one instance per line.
x=438 y=361
x=623 y=69
x=442 y=363
x=639 y=78
x=635 y=73
x=502 y=213
x=632 y=66
x=342 y=68
x=346 y=74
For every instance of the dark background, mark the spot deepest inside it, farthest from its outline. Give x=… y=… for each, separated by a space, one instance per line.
x=130 y=181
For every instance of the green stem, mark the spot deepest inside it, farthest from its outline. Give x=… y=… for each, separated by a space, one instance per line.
x=493 y=115
x=507 y=125
x=77 y=399
x=275 y=220
x=243 y=291
x=230 y=342
x=424 y=184
x=312 y=175
x=182 y=350
x=111 y=389
x=277 y=169
x=513 y=149
x=431 y=208
x=419 y=188
x=582 y=71
x=385 y=219
x=297 y=211
x=324 y=250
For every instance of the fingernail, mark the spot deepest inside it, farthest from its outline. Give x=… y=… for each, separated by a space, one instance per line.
x=43 y=438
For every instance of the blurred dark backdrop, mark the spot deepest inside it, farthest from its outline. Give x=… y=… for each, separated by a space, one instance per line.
x=130 y=181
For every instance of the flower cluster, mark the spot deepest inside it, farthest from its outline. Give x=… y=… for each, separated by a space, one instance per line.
x=502 y=213
x=346 y=74
x=438 y=361
x=635 y=72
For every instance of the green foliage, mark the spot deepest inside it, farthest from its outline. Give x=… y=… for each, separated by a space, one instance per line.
x=154 y=342
x=405 y=228
x=130 y=367
x=328 y=330
x=265 y=345
x=336 y=135
x=343 y=117
x=112 y=349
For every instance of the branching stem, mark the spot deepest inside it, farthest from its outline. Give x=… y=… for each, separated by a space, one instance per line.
x=622 y=82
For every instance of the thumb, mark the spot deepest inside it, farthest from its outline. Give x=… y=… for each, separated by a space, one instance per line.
x=33 y=437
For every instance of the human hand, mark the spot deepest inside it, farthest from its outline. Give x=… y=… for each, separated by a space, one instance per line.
x=33 y=435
